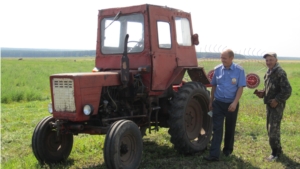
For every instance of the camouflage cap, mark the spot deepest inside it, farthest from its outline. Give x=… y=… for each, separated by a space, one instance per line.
x=271 y=54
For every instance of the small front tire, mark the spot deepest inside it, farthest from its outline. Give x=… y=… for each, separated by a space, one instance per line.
x=47 y=146
x=123 y=145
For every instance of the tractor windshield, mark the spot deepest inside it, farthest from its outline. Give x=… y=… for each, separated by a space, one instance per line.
x=114 y=30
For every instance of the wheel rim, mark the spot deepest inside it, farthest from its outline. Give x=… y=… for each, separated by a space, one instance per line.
x=127 y=149
x=47 y=146
x=56 y=145
x=193 y=119
x=53 y=144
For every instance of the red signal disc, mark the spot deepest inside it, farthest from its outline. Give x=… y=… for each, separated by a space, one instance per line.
x=252 y=80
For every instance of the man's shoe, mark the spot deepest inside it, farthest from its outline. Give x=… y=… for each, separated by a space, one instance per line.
x=226 y=154
x=272 y=158
x=209 y=158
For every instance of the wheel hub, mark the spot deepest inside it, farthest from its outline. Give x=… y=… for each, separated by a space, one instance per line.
x=193 y=120
x=188 y=119
x=123 y=149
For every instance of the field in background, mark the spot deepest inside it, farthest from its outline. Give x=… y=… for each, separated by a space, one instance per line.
x=25 y=95
x=28 y=79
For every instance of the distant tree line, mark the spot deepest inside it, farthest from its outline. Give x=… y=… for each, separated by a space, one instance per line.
x=22 y=52
x=213 y=55
x=28 y=52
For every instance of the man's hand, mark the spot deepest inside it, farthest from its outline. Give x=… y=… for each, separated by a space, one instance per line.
x=210 y=106
x=273 y=103
x=259 y=93
x=232 y=107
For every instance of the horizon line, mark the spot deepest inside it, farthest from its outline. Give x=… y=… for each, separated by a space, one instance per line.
x=95 y=50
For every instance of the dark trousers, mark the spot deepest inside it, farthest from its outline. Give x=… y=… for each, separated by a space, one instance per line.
x=274 y=116
x=221 y=113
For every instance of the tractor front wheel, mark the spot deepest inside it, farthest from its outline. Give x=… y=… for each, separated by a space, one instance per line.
x=47 y=146
x=123 y=145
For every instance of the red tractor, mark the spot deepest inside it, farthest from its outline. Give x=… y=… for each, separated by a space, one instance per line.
x=142 y=55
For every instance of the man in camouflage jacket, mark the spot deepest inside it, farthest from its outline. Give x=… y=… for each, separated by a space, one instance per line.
x=276 y=91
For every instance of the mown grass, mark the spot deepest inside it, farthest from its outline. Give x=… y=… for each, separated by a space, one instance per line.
x=19 y=118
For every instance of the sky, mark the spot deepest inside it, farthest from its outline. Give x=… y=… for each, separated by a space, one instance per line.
x=251 y=27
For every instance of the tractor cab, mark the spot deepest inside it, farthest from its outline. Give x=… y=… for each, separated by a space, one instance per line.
x=160 y=38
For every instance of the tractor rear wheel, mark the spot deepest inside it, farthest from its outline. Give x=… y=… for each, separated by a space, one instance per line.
x=190 y=125
x=123 y=145
x=47 y=146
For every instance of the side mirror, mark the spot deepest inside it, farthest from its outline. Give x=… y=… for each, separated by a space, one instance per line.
x=195 y=39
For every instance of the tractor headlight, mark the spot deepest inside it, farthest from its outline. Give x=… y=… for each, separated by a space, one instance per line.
x=50 y=110
x=88 y=109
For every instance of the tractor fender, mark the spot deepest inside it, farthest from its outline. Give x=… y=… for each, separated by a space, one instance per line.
x=197 y=74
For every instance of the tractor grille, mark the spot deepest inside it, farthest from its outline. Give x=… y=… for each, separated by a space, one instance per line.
x=63 y=95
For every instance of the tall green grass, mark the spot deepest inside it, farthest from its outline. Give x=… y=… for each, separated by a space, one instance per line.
x=19 y=118
x=28 y=79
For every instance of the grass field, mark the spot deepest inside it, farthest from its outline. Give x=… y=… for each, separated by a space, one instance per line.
x=25 y=94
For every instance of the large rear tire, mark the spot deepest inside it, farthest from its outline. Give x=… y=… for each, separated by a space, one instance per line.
x=123 y=145
x=190 y=125
x=47 y=146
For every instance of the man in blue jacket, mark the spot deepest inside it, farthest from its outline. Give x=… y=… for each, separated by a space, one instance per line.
x=227 y=87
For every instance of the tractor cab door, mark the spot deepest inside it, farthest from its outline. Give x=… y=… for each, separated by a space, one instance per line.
x=163 y=49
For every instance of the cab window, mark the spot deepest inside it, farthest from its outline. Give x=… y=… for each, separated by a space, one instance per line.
x=164 y=34
x=183 y=31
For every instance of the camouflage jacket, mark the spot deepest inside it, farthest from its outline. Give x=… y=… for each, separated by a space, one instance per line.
x=277 y=85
